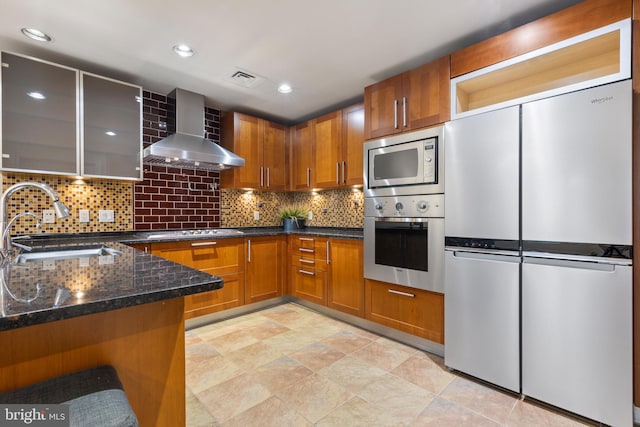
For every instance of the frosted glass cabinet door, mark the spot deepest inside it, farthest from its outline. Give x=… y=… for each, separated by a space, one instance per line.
x=39 y=116
x=112 y=143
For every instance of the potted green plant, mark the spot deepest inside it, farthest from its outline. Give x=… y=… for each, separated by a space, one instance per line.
x=293 y=216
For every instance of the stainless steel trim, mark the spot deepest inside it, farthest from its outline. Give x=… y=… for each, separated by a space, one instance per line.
x=306 y=250
x=248 y=250
x=307 y=261
x=308 y=177
x=575 y=258
x=344 y=179
x=404 y=294
x=310 y=273
x=400 y=219
x=457 y=251
x=268 y=177
x=204 y=244
x=395 y=114
x=404 y=111
x=337 y=172
x=261 y=176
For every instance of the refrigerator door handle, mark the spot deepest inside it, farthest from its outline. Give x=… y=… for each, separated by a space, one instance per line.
x=503 y=256
x=576 y=258
x=571 y=263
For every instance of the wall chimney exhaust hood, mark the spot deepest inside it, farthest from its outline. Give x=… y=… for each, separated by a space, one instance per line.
x=186 y=145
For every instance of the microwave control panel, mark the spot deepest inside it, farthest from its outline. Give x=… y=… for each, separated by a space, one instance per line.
x=430 y=170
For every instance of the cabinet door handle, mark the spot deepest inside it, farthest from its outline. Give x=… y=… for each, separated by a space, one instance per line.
x=249 y=250
x=268 y=177
x=327 y=256
x=404 y=294
x=310 y=273
x=306 y=239
x=306 y=261
x=204 y=244
x=306 y=250
x=344 y=180
x=395 y=114
x=404 y=111
x=308 y=177
x=261 y=176
x=337 y=173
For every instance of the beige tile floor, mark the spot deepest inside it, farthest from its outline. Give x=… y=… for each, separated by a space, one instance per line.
x=290 y=366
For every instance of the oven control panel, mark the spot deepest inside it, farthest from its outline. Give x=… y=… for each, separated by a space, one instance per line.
x=418 y=206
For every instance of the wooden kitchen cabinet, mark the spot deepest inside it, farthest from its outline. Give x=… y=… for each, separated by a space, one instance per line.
x=302 y=157
x=265 y=267
x=411 y=310
x=346 y=277
x=220 y=257
x=262 y=145
x=412 y=100
x=308 y=268
x=337 y=145
x=40 y=132
x=111 y=136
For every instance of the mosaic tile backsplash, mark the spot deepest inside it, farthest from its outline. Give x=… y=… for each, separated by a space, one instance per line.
x=92 y=195
x=330 y=208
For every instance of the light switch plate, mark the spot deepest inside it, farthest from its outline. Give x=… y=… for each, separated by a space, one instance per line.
x=83 y=215
x=256 y=215
x=48 y=216
x=105 y=216
x=310 y=216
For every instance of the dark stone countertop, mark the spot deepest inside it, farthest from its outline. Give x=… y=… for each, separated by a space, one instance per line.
x=44 y=291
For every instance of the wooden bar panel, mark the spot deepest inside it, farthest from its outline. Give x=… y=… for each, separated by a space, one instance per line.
x=144 y=343
x=580 y=18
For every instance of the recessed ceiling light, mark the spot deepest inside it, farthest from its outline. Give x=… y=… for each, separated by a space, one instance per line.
x=285 y=88
x=36 y=95
x=183 y=50
x=34 y=34
x=110 y=133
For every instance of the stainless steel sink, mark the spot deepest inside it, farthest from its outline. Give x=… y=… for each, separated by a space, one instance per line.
x=208 y=232
x=51 y=254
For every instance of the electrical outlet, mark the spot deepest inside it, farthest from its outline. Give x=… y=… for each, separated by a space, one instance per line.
x=310 y=216
x=83 y=215
x=105 y=216
x=49 y=216
x=256 y=215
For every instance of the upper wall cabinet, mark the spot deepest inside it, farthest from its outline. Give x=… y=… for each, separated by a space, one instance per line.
x=412 y=100
x=39 y=116
x=111 y=114
x=594 y=58
x=58 y=120
x=262 y=145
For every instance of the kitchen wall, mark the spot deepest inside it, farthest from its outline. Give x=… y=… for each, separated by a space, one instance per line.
x=331 y=208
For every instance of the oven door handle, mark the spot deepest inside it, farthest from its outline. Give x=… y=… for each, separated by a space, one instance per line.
x=402 y=219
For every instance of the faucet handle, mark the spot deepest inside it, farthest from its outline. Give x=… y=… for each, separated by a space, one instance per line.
x=21 y=246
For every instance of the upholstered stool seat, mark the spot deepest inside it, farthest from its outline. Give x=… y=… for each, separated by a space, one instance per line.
x=95 y=397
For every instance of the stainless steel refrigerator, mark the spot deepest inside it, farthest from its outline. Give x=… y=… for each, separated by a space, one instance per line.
x=574 y=216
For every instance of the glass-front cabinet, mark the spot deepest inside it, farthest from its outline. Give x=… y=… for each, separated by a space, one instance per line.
x=59 y=120
x=111 y=113
x=39 y=116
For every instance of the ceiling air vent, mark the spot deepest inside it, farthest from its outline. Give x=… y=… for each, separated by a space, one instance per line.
x=245 y=79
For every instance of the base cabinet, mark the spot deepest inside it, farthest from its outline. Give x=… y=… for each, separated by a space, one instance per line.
x=308 y=268
x=346 y=277
x=410 y=310
x=265 y=268
x=231 y=295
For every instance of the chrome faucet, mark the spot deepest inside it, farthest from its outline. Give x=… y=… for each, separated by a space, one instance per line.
x=5 y=242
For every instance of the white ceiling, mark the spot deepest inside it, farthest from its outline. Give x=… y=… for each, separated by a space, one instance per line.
x=327 y=50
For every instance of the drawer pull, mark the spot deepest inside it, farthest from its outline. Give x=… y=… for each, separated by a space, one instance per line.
x=306 y=261
x=306 y=250
x=404 y=294
x=204 y=244
x=306 y=239
x=310 y=273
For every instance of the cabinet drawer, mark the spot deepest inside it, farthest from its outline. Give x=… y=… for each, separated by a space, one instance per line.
x=309 y=247
x=411 y=310
x=231 y=295
x=221 y=256
x=309 y=284
x=307 y=262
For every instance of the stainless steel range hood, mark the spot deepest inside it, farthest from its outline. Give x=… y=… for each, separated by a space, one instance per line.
x=186 y=145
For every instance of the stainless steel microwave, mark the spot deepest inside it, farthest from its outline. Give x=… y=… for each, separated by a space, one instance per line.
x=405 y=164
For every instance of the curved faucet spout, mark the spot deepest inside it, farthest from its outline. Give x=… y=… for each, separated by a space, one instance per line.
x=61 y=210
